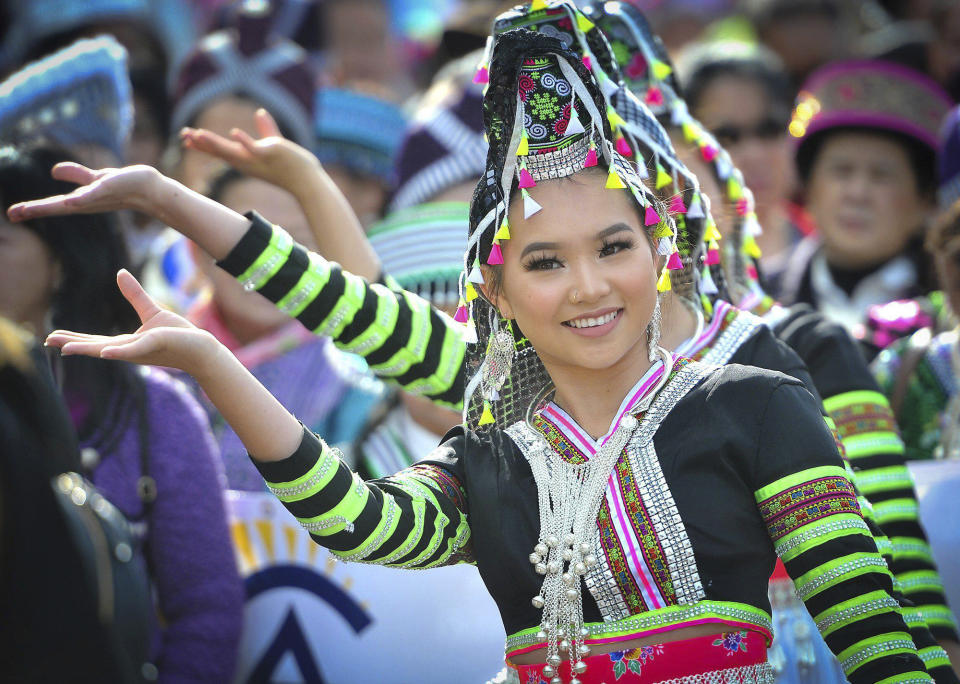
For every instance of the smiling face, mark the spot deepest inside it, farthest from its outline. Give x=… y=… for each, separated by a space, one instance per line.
x=579 y=277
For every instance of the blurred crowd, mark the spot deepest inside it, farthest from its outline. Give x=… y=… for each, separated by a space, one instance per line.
x=841 y=115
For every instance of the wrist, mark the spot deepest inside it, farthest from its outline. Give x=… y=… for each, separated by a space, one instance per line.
x=210 y=359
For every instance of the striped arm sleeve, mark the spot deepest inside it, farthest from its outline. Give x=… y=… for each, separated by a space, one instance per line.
x=414 y=519
x=868 y=431
x=809 y=506
x=402 y=338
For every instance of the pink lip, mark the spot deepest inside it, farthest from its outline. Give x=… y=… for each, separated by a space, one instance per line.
x=599 y=330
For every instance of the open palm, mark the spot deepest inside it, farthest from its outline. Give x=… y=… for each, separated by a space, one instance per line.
x=163 y=339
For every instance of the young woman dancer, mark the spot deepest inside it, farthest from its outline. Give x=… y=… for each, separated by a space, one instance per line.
x=589 y=450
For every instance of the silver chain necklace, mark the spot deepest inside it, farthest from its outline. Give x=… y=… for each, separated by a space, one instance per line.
x=569 y=497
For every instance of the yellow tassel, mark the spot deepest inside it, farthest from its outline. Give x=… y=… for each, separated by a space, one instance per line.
x=734 y=191
x=661 y=70
x=524 y=147
x=689 y=132
x=538 y=5
x=663 y=178
x=486 y=418
x=504 y=232
x=583 y=23
x=711 y=233
x=616 y=121
x=663 y=284
x=614 y=181
x=751 y=247
x=663 y=230
x=707 y=305
x=471 y=292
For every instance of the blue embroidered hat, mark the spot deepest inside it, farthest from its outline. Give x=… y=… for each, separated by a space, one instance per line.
x=359 y=132
x=78 y=95
x=32 y=22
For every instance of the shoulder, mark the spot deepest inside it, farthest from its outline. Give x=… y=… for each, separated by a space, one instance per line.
x=734 y=388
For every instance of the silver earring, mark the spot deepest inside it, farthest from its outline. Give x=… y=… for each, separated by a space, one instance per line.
x=653 y=332
x=499 y=360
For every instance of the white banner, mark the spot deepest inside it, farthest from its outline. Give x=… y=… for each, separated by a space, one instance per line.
x=311 y=618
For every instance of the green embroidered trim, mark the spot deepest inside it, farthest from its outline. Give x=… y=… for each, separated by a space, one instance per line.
x=797 y=479
x=350 y=506
x=884 y=479
x=311 y=283
x=839 y=570
x=311 y=482
x=876 y=647
x=345 y=309
x=855 y=609
x=796 y=543
x=271 y=260
x=896 y=509
x=385 y=321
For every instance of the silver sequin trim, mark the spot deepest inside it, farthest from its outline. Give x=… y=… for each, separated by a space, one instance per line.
x=813 y=533
x=377 y=541
x=855 y=611
x=873 y=650
x=284 y=242
x=813 y=586
x=744 y=326
x=330 y=459
x=746 y=674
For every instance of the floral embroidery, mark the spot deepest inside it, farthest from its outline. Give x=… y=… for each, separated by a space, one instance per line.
x=558 y=441
x=534 y=678
x=732 y=642
x=544 y=105
x=617 y=561
x=634 y=659
x=863 y=417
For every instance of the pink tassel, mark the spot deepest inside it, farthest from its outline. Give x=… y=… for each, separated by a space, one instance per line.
x=708 y=152
x=623 y=147
x=713 y=257
x=591 y=158
x=650 y=216
x=752 y=272
x=742 y=206
x=496 y=256
x=461 y=316
x=482 y=76
x=586 y=62
x=654 y=97
x=526 y=181
x=674 y=263
x=677 y=206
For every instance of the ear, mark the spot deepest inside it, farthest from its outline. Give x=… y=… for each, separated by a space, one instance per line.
x=494 y=293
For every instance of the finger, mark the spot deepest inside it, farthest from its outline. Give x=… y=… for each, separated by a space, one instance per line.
x=245 y=139
x=58 y=338
x=215 y=145
x=58 y=205
x=91 y=347
x=145 y=306
x=73 y=172
x=266 y=125
x=137 y=348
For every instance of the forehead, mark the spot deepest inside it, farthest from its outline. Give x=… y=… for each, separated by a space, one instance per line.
x=863 y=146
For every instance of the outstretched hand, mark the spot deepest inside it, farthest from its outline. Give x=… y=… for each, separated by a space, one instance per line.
x=101 y=190
x=163 y=339
x=271 y=157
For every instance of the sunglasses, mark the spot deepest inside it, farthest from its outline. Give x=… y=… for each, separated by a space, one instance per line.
x=767 y=129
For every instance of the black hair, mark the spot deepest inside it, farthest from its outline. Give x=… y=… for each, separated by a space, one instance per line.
x=922 y=157
x=761 y=67
x=219 y=184
x=90 y=250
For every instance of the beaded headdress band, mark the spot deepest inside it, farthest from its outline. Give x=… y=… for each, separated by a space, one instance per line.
x=650 y=74
x=637 y=136
x=545 y=117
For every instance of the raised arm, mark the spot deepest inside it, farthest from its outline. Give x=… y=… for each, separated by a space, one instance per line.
x=336 y=229
x=417 y=518
x=403 y=338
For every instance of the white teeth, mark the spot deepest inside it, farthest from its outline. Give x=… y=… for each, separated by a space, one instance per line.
x=592 y=322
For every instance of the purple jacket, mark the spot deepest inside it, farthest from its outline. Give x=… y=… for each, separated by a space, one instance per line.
x=189 y=551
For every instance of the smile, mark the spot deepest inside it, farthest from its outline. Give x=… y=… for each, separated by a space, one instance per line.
x=593 y=321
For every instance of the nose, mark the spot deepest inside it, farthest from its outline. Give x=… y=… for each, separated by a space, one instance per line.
x=589 y=282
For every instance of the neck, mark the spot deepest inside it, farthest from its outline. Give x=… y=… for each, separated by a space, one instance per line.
x=679 y=322
x=592 y=396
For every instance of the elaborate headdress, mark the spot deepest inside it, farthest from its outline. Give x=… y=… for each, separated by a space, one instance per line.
x=78 y=95
x=546 y=117
x=650 y=73
x=638 y=136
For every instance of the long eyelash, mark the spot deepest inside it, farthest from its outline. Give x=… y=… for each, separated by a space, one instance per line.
x=537 y=261
x=621 y=244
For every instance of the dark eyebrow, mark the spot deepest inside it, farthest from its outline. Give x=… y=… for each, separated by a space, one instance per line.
x=537 y=246
x=613 y=230
x=603 y=234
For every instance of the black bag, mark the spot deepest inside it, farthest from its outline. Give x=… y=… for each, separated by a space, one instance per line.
x=117 y=574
